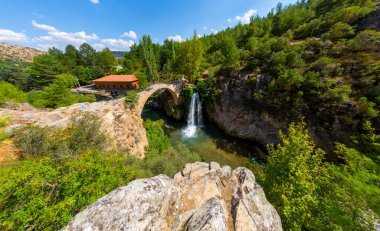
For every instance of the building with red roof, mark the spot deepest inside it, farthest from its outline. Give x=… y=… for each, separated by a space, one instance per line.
x=117 y=82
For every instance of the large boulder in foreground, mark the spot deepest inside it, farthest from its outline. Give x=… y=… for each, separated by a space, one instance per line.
x=200 y=197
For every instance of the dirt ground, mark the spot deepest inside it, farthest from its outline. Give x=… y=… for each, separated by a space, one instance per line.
x=8 y=151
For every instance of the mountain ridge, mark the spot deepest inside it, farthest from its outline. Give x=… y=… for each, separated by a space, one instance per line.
x=13 y=51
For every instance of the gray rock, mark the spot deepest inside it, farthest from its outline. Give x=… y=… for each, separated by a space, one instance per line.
x=200 y=197
x=210 y=216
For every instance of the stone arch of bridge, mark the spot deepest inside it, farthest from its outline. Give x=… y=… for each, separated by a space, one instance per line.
x=144 y=95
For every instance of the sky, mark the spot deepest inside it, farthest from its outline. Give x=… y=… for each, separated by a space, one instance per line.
x=118 y=24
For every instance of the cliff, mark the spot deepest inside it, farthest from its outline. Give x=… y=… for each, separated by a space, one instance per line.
x=200 y=197
x=238 y=113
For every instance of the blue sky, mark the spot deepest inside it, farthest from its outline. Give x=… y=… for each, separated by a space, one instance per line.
x=119 y=24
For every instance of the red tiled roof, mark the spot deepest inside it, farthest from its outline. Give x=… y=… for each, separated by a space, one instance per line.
x=117 y=78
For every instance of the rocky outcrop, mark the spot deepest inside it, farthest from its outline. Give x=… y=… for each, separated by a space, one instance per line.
x=123 y=126
x=240 y=114
x=200 y=197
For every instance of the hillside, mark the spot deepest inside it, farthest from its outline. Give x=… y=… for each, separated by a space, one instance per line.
x=11 y=51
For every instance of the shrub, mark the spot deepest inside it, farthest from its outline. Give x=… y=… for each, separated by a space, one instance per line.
x=39 y=194
x=158 y=141
x=82 y=135
x=339 y=31
x=131 y=99
x=10 y=93
x=293 y=176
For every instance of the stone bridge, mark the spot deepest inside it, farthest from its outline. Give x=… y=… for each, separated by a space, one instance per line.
x=174 y=89
x=124 y=126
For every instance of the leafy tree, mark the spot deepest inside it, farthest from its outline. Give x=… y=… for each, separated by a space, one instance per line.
x=88 y=55
x=143 y=80
x=293 y=176
x=149 y=57
x=58 y=93
x=14 y=72
x=106 y=61
x=230 y=52
x=189 y=57
x=43 y=71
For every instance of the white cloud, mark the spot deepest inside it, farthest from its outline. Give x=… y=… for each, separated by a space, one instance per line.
x=229 y=20
x=205 y=28
x=43 y=26
x=246 y=18
x=131 y=34
x=60 y=37
x=94 y=1
x=11 y=36
x=117 y=44
x=176 y=38
x=46 y=46
x=98 y=46
x=214 y=31
x=75 y=38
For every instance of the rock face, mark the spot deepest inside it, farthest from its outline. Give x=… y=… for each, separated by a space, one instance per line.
x=200 y=197
x=123 y=126
x=238 y=113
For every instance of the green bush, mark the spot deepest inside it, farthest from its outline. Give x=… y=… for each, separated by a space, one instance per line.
x=131 y=99
x=158 y=141
x=82 y=135
x=39 y=194
x=339 y=31
x=3 y=135
x=293 y=176
x=162 y=158
x=10 y=93
x=58 y=94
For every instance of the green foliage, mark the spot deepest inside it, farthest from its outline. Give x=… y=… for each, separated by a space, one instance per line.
x=366 y=108
x=161 y=157
x=149 y=57
x=352 y=196
x=131 y=99
x=43 y=195
x=82 y=135
x=58 y=93
x=186 y=95
x=14 y=72
x=10 y=93
x=340 y=30
x=61 y=172
x=189 y=57
x=293 y=175
x=158 y=141
x=3 y=123
x=3 y=135
x=143 y=80
x=43 y=71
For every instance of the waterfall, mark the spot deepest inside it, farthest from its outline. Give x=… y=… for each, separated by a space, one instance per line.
x=195 y=118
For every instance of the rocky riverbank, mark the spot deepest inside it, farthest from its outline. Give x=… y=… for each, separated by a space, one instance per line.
x=201 y=197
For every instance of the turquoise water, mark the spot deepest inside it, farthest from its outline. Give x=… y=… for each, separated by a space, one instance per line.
x=210 y=143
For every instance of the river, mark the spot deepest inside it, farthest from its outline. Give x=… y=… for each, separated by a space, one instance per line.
x=210 y=143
